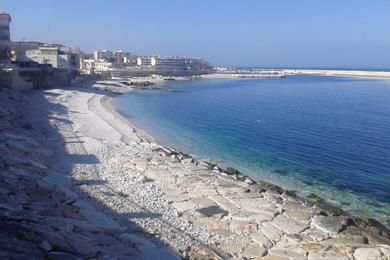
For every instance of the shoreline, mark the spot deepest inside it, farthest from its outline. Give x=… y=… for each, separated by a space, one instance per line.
x=105 y=101
x=193 y=207
x=107 y=105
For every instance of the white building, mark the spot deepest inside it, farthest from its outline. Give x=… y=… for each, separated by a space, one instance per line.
x=87 y=66
x=178 y=62
x=146 y=61
x=102 y=65
x=103 y=55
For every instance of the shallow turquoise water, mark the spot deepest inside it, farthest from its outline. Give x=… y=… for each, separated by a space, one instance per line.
x=325 y=135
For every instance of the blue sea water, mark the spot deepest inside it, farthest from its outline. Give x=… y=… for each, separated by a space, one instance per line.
x=327 y=135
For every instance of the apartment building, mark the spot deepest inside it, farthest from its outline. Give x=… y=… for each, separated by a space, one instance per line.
x=54 y=55
x=5 y=39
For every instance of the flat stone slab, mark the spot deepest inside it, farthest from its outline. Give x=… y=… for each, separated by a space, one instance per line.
x=252 y=216
x=100 y=220
x=328 y=224
x=271 y=232
x=261 y=239
x=368 y=254
x=254 y=251
x=184 y=206
x=316 y=234
x=288 y=225
x=225 y=203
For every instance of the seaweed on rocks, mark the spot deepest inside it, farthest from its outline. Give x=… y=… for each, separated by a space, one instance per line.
x=291 y=193
x=231 y=171
x=313 y=198
x=334 y=209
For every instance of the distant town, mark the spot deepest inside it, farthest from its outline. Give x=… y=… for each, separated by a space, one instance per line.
x=26 y=65
x=41 y=64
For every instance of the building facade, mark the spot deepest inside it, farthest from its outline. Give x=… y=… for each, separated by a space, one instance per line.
x=118 y=57
x=53 y=55
x=5 y=39
x=173 y=62
x=103 y=55
x=87 y=66
x=19 y=49
x=102 y=65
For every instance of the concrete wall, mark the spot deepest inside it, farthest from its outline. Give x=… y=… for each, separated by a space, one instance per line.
x=46 y=78
x=13 y=80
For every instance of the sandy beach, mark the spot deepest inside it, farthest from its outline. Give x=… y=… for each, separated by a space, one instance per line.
x=191 y=206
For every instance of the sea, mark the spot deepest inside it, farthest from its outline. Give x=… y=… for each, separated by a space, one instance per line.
x=312 y=134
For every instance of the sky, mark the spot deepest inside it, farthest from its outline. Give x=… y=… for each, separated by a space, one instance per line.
x=257 y=33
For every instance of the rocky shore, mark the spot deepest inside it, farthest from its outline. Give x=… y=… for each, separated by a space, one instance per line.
x=44 y=212
x=79 y=181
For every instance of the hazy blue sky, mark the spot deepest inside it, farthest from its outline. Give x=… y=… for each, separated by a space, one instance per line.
x=300 y=33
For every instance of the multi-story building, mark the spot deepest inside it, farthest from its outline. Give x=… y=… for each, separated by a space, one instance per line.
x=102 y=65
x=103 y=55
x=53 y=55
x=5 y=39
x=130 y=59
x=19 y=49
x=146 y=61
x=97 y=55
x=87 y=66
x=173 y=62
x=118 y=57
x=125 y=63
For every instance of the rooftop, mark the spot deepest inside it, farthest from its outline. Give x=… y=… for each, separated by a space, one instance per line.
x=5 y=17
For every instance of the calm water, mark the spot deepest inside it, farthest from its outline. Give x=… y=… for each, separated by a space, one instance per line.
x=326 y=135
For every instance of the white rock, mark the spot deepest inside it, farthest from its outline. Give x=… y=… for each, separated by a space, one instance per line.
x=328 y=224
x=288 y=225
x=143 y=178
x=367 y=254
x=249 y=181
